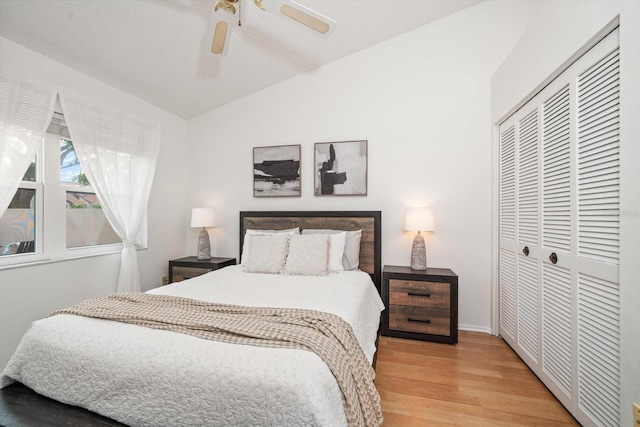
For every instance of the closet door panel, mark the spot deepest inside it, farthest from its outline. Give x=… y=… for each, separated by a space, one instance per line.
x=557 y=335
x=557 y=309
x=556 y=202
x=508 y=274
x=599 y=162
x=508 y=186
x=528 y=308
x=528 y=179
x=599 y=349
x=528 y=174
x=599 y=240
x=508 y=295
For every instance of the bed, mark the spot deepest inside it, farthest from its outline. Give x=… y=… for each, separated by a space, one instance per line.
x=151 y=377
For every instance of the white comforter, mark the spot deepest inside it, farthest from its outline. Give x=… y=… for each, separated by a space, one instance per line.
x=147 y=377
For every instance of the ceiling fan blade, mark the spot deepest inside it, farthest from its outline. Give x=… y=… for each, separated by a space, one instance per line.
x=306 y=18
x=310 y=19
x=221 y=34
x=224 y=11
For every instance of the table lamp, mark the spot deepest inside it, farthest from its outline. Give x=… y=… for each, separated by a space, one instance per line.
x=419 y=219
x=203 y=217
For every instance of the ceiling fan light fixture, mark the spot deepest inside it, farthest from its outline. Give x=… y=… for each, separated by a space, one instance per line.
x=226 y=5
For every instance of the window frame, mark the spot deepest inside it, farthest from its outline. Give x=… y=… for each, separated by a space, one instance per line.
x=50 y=229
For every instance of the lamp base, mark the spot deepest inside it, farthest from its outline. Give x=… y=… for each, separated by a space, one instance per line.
x=418 y=253
x=204 y=247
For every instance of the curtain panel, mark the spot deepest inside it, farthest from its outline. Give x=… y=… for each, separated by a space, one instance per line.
x=118 y=154
x=25 y=112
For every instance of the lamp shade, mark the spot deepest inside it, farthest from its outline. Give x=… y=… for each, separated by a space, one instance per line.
x=419 y=219
x=203 y=217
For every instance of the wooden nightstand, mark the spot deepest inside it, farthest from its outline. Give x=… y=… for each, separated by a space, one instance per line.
x=186 y=268
x=420 y=305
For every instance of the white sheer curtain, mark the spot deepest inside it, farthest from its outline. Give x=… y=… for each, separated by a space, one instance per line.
x=118 y=155
x=25 y=113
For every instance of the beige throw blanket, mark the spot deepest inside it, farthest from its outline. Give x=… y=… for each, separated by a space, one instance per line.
x=327 y=335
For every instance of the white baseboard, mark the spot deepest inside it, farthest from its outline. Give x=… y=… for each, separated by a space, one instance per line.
x=473 y=328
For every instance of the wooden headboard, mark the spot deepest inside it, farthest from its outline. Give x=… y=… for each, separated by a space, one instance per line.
x=368 y=221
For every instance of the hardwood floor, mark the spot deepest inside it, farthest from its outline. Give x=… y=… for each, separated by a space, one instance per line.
x=478 y=382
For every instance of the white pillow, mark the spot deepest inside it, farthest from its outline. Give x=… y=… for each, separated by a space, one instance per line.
x=336 y=247
x=351 y=257
x=267 y=253
x=253 y=232
x=336 y=251
x=308 y=255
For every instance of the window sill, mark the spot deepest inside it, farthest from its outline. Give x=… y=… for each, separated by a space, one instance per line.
x=33 y=261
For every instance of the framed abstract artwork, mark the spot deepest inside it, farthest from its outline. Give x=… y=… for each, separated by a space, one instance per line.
x=276 y=171
x=341 y=168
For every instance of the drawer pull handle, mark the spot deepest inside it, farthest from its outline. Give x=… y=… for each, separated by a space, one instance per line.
x=553 y=258
x=526 y=250
x=418 y=320
x=418 y=294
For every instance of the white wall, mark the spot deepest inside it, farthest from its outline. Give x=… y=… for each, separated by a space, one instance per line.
x=422 y=100
x=30 y=293
x=562 y=28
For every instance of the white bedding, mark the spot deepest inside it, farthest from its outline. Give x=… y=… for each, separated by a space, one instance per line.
x=146 y=377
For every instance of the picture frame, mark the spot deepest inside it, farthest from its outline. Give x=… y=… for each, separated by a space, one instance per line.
x=276 y=171
x=340 y=168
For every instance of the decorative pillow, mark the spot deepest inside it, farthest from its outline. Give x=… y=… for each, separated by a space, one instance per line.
x=308 y=255
x=267 y=253
x=336 y=248
x=253 y=232
x=351 y=257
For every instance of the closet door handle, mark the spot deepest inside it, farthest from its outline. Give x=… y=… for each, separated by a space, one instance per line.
x=553 y=258
x=526 y=250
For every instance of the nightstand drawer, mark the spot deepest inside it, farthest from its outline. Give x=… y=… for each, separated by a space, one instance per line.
x=433 y=321
x=419 y=293
x=184 y=273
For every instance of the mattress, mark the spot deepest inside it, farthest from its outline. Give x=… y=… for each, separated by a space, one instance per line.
x=146 y=377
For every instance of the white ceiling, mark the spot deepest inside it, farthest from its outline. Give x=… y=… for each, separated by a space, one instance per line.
x=159 y=50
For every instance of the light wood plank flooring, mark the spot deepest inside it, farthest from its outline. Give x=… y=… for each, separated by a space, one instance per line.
x=478 y=382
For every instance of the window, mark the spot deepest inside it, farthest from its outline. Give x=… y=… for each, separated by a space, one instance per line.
x=18 y=224
x=55 y=213
x=86 y=223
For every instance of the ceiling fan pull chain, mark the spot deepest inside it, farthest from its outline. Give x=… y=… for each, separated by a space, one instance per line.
x=239 y=13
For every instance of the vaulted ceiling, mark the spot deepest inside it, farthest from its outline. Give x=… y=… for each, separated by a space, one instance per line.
x=159 y=50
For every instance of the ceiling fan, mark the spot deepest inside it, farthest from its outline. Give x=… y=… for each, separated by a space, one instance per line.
x=226 y=11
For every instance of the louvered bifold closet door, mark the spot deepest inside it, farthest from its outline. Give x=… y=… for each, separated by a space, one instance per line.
x=557 y=310
x=559 y=235
x=528 y=289
x=508 y=233
x=519 y=234
x=598 y=130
